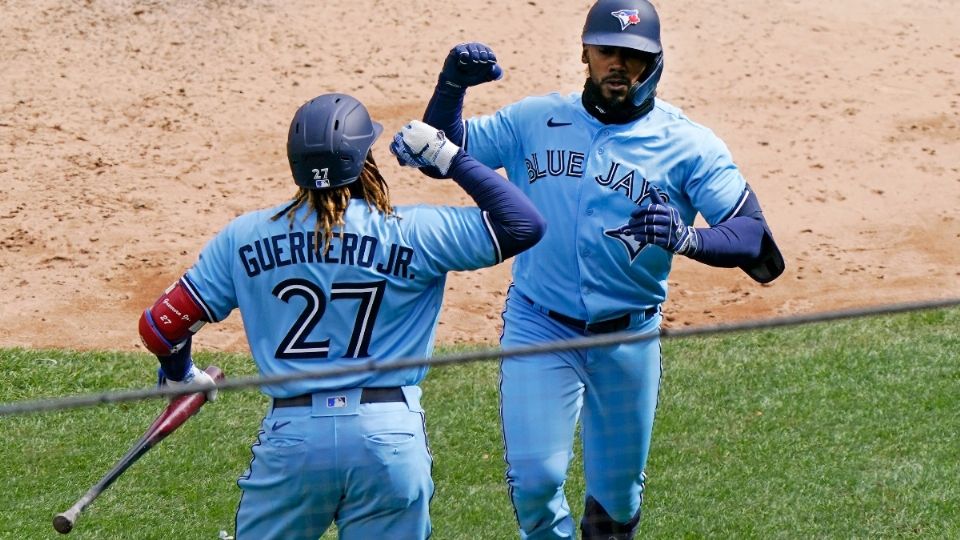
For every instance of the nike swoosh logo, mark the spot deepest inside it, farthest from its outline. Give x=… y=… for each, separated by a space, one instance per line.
x=551 y=123
x=278 y=425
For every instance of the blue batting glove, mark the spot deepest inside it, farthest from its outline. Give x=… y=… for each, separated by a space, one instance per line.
x=660 y=224
x=405 y=155
x=470 y=64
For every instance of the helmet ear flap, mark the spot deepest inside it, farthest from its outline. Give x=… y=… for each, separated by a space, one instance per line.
x=646 y=88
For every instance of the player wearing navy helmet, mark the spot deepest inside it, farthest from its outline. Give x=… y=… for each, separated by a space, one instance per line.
x=337 y=277
x=619 y=176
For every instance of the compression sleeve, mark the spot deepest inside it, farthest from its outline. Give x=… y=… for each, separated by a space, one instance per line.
x=176 y=365
x=743 y=239
x=516 y=223
x=445 y=111
x=734 y=242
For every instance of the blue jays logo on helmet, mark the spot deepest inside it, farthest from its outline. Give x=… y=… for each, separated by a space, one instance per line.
x=632 y=24
x=627 y=17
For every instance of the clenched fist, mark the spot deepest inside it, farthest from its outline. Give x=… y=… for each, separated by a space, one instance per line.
x=470 y=64
x=420 y=145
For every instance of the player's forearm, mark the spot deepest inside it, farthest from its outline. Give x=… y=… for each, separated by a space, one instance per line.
x=733 y=243
x=445 y=111
x=516 y=223
x=176 y=365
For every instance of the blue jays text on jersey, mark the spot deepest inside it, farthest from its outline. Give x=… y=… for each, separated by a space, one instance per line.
x=569 y=163
x=279 y=250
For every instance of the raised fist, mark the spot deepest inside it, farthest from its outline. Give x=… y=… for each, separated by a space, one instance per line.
x=470 y=64
x=420 y=145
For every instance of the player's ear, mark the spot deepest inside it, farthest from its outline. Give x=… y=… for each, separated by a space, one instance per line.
x=583 y=55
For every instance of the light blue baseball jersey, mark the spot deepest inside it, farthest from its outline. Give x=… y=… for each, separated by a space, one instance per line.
x=586 y=178
x=376 y=293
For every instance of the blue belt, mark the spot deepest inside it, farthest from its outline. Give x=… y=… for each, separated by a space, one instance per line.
x=615 y=324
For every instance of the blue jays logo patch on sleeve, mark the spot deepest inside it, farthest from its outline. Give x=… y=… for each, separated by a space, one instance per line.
x=627 y=17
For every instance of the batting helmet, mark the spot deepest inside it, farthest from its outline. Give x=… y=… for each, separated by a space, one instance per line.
x=631 y=24
x=328 y=141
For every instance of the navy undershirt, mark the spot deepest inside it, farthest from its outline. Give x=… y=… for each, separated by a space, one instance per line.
x=734 y=242
x=515 y=221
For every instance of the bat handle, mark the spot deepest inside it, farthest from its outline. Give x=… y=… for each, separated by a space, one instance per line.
x=63 y=522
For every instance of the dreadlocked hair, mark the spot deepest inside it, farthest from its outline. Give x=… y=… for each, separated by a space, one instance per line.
x=330 y=205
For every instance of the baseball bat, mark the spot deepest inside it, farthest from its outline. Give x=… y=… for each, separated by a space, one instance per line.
x=176 y=413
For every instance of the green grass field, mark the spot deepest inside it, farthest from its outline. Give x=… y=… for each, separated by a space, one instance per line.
x=847 y=430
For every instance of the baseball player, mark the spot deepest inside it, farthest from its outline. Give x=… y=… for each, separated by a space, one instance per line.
x=333 y=278
x=619 y=176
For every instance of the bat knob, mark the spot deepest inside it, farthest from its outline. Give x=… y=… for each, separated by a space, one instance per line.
x=62 y=524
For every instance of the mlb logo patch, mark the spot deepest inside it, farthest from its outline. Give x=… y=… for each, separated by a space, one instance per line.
x=336 y=402
x=627 y=17
x=323 y=183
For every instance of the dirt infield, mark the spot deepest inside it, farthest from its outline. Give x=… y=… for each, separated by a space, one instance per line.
x=131 y=132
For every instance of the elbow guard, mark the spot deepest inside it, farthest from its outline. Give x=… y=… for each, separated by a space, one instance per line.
x=770 y=264
x=176 y=315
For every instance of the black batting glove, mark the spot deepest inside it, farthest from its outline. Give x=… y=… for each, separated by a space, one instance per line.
x=470 y=64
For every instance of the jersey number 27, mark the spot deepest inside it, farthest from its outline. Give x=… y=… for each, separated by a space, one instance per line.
x=296 y=345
